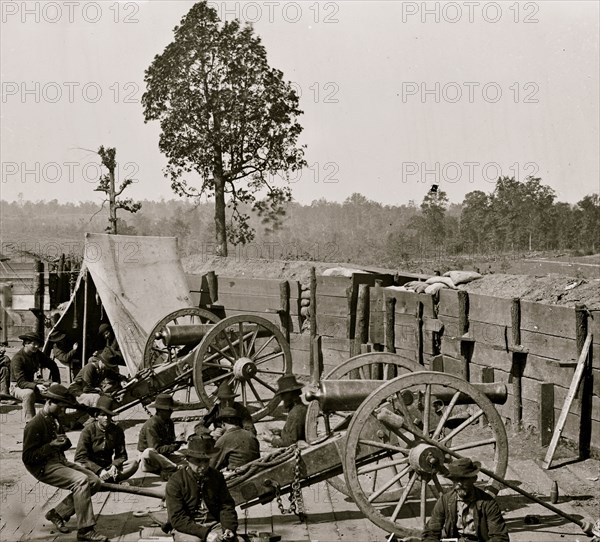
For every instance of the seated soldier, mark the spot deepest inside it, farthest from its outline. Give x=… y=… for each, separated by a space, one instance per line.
x=64 y=352
x=197 y=498
x=293 y=431
x=236 y=446
x=225 y=398
x=5 y=395
x=101 y=446
x=44 y=445
x=466 y=512
x=99 y=377
x=25 y=365
x=157 y=444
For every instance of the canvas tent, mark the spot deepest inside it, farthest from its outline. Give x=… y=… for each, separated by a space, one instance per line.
x=129 y=281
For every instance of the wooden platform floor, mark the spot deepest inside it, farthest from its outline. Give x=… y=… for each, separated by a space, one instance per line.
x=331 y=517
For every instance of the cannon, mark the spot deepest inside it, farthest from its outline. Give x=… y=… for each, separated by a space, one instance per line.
x=194 y=350
x=386 y=443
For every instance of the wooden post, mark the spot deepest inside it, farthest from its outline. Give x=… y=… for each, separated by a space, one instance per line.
x=487 y=377
x=85 y=317
x=390 y=321
x=3 y=313
x=362 y=317
x=586 y=387
x=466 y=347
x=317 y=356
x=284 y=302
x=349 y=319
x=376 y=327
x=419 y=333
x=213 y=287
x=516 y=371
x=39 y=297
x=546 y=412
x=313 y=318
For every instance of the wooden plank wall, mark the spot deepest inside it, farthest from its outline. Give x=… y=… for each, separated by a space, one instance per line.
x=469 y=335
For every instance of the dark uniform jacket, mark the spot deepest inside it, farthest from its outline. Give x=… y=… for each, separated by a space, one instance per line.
x=25 y=366
x=96 y=448
x=89 y=379
x=64 y=354
x=158 y=434
x=185 y=493
x=293 y=430
x=236 y=447
x=243 y=412
x=488 y=520
x=39 y=431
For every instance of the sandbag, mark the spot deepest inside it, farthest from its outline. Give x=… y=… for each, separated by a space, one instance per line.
x=443 y=280
x=341 y=272
x=435 y=288
x=462 y=277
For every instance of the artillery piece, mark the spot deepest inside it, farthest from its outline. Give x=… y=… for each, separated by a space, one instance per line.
x=384 y=423
x=191 y=349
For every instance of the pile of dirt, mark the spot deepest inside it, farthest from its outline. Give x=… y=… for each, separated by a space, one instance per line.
x=552 y=289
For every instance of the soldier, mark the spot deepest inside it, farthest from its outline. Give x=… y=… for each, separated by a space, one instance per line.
x=99 y=377
x=293 y=431
x=44 y=445
x=466 y=512
x=108 y=338
x=225 y=397
x=65 y=353
x=5 y=395
x=25 y=365
x=157 y=444
x=236 y=446
x=101 y=446
x=197 y=498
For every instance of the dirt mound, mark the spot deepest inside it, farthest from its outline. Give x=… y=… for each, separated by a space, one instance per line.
x=552 y=289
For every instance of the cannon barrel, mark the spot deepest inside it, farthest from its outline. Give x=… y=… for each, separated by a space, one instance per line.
x=180 y=335
x=347 y=395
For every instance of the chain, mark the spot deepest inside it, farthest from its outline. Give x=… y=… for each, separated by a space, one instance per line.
x=295 y=497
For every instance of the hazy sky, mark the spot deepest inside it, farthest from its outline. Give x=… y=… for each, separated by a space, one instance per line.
x=396 y=95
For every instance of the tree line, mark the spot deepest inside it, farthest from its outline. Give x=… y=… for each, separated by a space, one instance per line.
x=516 y=217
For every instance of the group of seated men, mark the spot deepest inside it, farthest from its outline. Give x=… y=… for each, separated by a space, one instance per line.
x=199 y=506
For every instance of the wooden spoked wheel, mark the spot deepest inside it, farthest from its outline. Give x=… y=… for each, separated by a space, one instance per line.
x=402 y=435
x=156 y=352
x=250 y=353
x=371 y=366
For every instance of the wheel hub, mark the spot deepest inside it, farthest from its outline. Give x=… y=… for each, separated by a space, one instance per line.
x=244 y=369
x=425 y=458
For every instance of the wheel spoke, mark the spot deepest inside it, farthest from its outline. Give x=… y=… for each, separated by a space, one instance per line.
x=224 y=332
x=241 y=338
x=405 y=414
x=362 y=372
x=423 y=502
x=437 y=488
x=388 y=484
x=251 y=386
x=267 y=342
x=215 y=355
x=252 y=341
x=475 y=444
x=397 y=432
x=466 y=423
x=379 y=466
x=427 y=409
x=384 y=446
x=266 y=371
x=265 y=384
x=268 y=357
x=244 y=398
x=404 y=496
x=446 y=415
x=216 y=379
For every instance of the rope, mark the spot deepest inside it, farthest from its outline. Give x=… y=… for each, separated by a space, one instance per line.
x=248 y=470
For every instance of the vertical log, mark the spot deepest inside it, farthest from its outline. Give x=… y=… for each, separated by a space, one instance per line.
x=361 y=335
x=376 y=327
x=4 y=296
x=419 y=333
x=39 y=297
x=313 y=317
x=463 y=313
x=586 y=387
x=284 y=311
x=317 y=356
x=546 y=412
x=390 y=321
x=349 y=319
x=518 y=363
x=487 y=377
x=213 y=286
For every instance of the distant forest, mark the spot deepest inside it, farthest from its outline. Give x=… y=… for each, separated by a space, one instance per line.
x=516 y=217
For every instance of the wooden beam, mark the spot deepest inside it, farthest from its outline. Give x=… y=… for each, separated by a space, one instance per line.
x=546 y=412
x=284 y=314
x=585 y=432
x=313 y=316
x=390 y=313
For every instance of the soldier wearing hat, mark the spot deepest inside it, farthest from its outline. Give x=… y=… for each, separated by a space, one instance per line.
x=157 y=443
x=44 y=445
x=199 y=504
x=109 y=340
x=64 y=352
x=225 y=398
x=465 y=513
x=99 y=377
x=25 y=365
x=289 y=389
x=101 y=446
x=236 y=446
